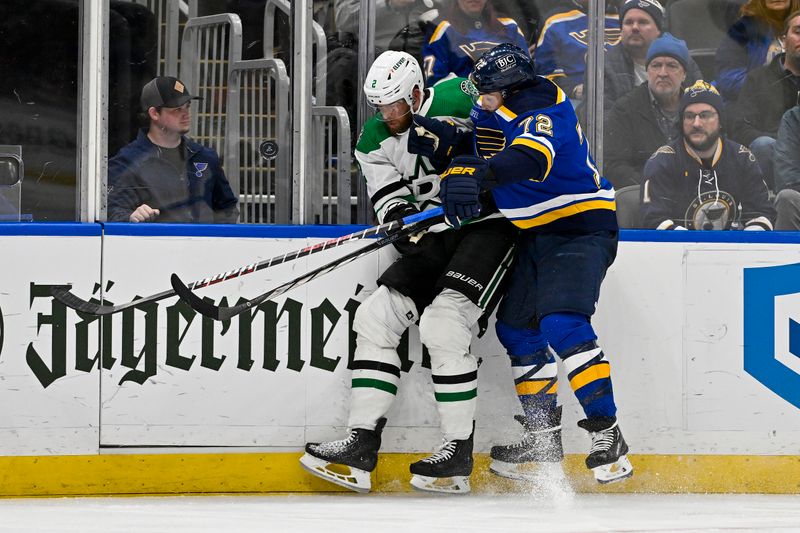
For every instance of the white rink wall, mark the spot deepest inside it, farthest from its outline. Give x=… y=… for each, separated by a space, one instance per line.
x=671 y=319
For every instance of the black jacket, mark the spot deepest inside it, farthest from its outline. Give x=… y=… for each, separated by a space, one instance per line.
x=199 y=193
x=768 y=92
x=680 y=191
x=630 y=136
x=619 y=77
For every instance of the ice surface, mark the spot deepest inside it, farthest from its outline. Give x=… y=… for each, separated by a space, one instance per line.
x=378 y=513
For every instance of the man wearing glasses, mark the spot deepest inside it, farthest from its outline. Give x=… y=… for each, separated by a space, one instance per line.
x=163 y=175
x=704 y=181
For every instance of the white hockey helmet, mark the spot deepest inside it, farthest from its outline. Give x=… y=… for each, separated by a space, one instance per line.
x=392 y=77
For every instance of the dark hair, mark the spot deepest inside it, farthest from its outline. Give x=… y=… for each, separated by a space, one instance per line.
x=786 y=23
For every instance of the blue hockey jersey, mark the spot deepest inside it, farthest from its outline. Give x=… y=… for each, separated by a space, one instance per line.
x=561 y=49
x=450 y=53
x=547 y=179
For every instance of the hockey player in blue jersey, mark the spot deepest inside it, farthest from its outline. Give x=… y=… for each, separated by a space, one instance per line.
x=469 y=29
x=533 y=157
x=436 y=281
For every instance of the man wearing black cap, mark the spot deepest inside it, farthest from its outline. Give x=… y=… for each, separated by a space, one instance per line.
x=642 y=22
x=163 y=176
x=703 y=181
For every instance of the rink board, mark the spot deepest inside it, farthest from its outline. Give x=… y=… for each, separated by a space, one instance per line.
x=703 y=338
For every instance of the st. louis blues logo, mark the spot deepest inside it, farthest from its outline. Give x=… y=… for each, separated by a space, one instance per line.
x=199 y=168
x=772 y=329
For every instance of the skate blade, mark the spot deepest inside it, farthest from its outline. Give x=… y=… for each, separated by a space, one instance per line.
x=621 y=469
x=447 y=485
x=531 y=471
x=357 y=480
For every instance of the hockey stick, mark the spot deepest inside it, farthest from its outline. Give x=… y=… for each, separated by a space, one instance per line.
x=218 y=312
x=65 y=296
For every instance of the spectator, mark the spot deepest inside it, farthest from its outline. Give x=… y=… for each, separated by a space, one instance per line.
x=752 y=41
x=163 y=176
x=647 y=117
x=625 y=65
x=704 y=181
x=392 y=18
x=562 y=46
x=767 y=94
x=787 y=172
x=467 y=30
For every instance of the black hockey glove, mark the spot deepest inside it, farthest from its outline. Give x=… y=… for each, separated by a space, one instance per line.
x=405 y=245
x=460 y=187
x=437 y=140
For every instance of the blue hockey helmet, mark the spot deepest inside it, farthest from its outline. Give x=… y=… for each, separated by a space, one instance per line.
x=502 y=68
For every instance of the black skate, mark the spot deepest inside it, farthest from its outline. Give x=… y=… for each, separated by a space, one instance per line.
x=447 y=470
x=607 y=458
x=347 y=462
x=538 y=454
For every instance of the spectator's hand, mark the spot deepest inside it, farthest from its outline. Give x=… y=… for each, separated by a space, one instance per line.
x=144 y=213
x=434 y=139
x=460 y=187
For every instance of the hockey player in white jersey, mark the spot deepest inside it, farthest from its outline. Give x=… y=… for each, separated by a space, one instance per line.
x=444 y=279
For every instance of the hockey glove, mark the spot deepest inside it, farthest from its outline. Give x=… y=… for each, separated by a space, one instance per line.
x=435 y=139
x=460 y=187
x=406 y=245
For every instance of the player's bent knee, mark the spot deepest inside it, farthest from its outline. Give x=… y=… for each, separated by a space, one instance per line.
x=519 y=341
x=565 y=330
x=384 y=316
x=448 y=321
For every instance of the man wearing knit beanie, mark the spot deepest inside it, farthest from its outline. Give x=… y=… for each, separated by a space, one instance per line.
x=651 y=7
x=641 y=23
x=647 y=117
x=702 y=180
x=703 y=93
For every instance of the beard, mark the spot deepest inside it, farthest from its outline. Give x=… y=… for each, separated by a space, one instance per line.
x=710 y=140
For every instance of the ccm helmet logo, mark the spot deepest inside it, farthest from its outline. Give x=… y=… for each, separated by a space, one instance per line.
x=459 y=170
x=506 y=62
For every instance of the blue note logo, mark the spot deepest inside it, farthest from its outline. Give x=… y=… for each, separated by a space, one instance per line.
x=772 y=329
x=199 y=169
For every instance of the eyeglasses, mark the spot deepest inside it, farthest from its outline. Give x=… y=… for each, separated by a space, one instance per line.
x=705 y=116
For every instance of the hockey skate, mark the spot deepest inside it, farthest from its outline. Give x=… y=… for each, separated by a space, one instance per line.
x=538 y=455
x=447 y=470
x=607 y=458
x=347 y=462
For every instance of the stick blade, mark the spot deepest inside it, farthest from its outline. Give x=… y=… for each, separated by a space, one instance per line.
x=66 y=297
x=204 y=307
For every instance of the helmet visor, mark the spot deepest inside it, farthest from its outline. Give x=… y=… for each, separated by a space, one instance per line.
x=389 y=112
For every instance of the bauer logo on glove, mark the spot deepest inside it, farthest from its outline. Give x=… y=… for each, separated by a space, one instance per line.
x=458 y=170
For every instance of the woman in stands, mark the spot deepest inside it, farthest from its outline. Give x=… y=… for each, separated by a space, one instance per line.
x=752 y=41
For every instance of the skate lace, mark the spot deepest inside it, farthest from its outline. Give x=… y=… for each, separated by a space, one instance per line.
x=444 y=453
x=338 y=445
x=602 y=440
